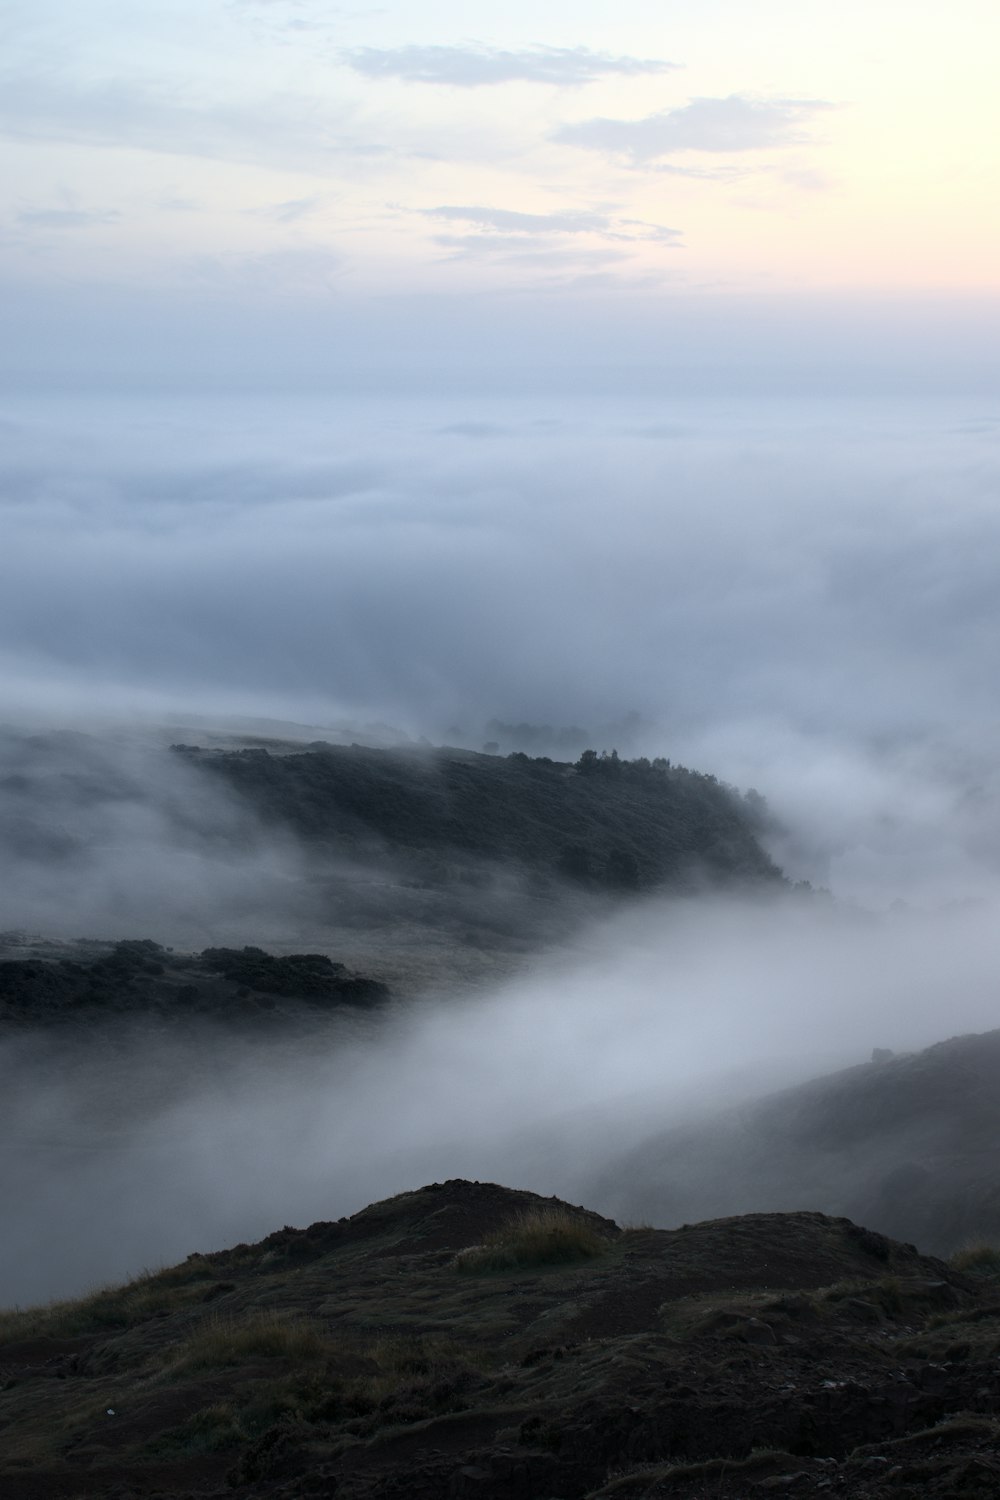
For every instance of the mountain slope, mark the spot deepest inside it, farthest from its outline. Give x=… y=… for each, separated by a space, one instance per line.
x=905 y=1143
x=385 y=1355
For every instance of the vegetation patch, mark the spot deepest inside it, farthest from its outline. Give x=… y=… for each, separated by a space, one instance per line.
x=539 y=1237
x=978 y=1258
x=211 y=1430
x=113 y=1308
x=234 y=1341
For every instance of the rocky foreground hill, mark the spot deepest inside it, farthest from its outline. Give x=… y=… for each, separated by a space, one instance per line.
x=469 y=1340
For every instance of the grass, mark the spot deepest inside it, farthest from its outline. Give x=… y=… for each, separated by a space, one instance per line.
x=638 y=1479
x=234 y=1341
x=977 y=1258
x=538 y=1237
x=397 y=1382
x=210 y=1430
x=112 y=1308
x=886 y=1294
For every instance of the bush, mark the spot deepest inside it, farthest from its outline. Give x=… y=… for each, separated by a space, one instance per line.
x=538 y=1237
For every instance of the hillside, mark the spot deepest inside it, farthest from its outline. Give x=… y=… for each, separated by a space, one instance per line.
x=432 y=869
x=602 y=823
x=49 y=984
x=907 y=1144
x=390 y=1355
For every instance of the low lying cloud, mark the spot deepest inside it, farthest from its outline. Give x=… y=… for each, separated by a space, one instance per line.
x=154 y=1151
x=731 y=125
x=476 y=67
x=795 y=596
x=109 y=835
x=780 y=592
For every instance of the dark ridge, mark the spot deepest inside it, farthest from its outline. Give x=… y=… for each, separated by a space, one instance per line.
x=605 y=823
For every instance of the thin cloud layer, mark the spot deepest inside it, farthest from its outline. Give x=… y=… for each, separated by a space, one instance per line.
x=734 y=124
x=476 y=67
x=66 y=218
x=511 y=222
x=173 y=118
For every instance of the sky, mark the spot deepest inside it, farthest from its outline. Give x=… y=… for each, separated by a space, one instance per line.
x=285 y=189
x=433 y=364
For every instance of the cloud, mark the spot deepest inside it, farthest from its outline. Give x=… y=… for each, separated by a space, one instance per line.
x=275 y=272
x=474 y=67
x=112 y=114
x=66 y=218
x=733 y=124
x=523 y=250
x=781 y=590
x=289 y=211
x=513 y=223
x=156 y=1147
x=808 y=179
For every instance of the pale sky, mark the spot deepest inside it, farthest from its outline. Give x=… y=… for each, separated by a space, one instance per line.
x=291 y=147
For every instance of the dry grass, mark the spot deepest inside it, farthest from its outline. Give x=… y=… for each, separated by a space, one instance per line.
x=539 y=1237
x=977 y=1258
x=235 y=1341
x=211 y=1430
x=113 y=1308
x=640 y=1480
x=887 y=1294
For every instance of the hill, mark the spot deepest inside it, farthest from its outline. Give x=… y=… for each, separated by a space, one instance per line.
x=470 y=1340
x=49 y=984
x=906 y=1143
x=602 y=823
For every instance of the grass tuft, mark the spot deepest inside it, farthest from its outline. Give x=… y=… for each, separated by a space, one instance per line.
x=211 y=1430
x=539 y=1237
x=977 y=1258
x=232 y=1341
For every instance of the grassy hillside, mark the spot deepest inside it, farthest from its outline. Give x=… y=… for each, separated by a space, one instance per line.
x=469 y=1340
x=602 y=822
x=906 y=1143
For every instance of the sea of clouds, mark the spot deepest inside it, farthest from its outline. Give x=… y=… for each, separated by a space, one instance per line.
x=794 y=595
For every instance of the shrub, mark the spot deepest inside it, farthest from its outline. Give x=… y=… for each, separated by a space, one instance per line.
x=538 y=1237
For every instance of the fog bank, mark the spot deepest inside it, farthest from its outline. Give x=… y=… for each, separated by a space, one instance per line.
x=795 y=595
x=137 y=1150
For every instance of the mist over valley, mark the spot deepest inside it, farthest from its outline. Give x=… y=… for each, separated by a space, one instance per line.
x=764 y=612
x=499 y=743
